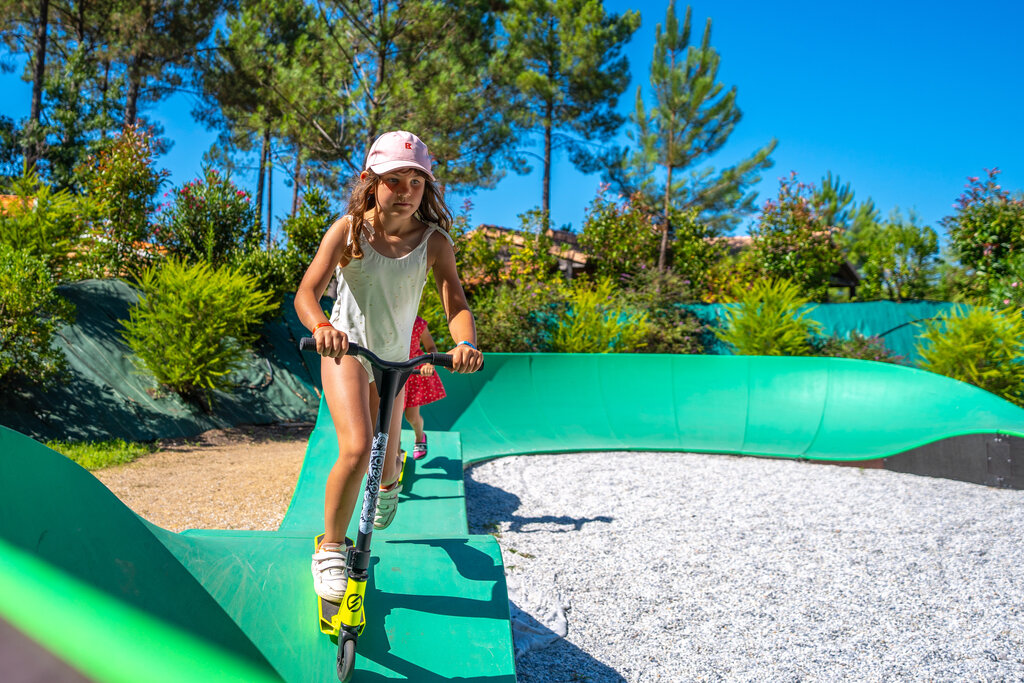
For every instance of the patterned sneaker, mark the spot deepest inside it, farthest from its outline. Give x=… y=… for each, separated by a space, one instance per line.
x=387 y=506
x=419 y=449
x=329 y=578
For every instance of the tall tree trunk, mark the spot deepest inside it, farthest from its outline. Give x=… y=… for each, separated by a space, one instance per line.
x=545 y=204
x=270 y=193
x=34 y=151
x=297 y=178
x=131 y=102
x=664 y=227
x=104 y=91
x=264 y=151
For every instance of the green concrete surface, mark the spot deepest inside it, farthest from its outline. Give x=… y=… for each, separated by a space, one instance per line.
x=240 y=602
x=814 y=408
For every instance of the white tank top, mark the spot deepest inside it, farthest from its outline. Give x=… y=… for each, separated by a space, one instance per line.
x=379 y=297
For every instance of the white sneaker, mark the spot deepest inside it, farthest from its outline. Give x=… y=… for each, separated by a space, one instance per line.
x=329 y=577
x=387 y=506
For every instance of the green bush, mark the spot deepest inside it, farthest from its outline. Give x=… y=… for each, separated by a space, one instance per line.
x=670 y=327
x=770 y=319
x=307 y=226
x=517 y=317
x=618 y=238
x=42 y=223
x=596 y=320
x=121 y=182
x=899 y=258
x=981 y=346
x=194 y=325
x=208 y=219
x=432 y=310
x=274 y=271
x=31 y=310
x=859 y=347
x=696 y=251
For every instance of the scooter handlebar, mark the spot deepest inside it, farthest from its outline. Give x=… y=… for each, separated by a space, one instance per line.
x=443 y=359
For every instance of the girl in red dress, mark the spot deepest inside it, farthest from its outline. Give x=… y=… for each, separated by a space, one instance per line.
x=422 y=388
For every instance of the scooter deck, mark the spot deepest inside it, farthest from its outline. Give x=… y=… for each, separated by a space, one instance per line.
x=328 y=609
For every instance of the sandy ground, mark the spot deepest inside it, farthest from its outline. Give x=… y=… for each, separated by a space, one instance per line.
x=239 y=478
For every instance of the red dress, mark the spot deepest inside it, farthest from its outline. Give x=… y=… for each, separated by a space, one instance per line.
x=421 y=390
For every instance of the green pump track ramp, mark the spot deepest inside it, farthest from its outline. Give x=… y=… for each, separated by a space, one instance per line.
x=89 y=589
x=824 y=409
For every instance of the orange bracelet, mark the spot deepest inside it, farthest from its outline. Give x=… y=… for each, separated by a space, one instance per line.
x=319 y=325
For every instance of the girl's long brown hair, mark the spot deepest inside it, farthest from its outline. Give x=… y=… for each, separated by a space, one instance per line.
x=362 y=198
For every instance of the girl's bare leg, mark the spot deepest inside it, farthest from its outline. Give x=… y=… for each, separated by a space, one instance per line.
x=347 y=389
x=415 y=420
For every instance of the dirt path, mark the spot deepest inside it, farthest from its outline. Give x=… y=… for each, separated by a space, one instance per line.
x=239 y=478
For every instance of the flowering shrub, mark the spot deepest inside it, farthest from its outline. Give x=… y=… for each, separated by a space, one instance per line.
x=1008 y=289
x=791 y=240
x=988 y=226
x=618 y=237
x=208 y=219
x=121 y=181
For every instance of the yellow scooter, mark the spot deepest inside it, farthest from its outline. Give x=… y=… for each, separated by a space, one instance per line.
x=347 y=619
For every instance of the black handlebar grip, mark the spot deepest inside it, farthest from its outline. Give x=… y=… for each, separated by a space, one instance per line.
x=442 y=359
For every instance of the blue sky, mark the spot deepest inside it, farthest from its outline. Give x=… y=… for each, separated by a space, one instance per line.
x=901 y=99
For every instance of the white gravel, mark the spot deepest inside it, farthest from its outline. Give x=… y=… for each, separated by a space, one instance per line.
x=687 y=567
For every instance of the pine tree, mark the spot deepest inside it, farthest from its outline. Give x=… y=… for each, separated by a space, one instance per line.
x=691 y=118
x=156 y=42
x=259 y=65
x=565 y=59
x=418 y=66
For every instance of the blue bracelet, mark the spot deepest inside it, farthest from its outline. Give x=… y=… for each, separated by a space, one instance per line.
x=469 y=344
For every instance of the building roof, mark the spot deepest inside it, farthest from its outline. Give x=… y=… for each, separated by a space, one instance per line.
x=565 y=245
x=13 y=200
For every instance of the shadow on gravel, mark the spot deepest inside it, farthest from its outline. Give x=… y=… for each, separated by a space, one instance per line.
x=563 y=662
x=543 y=655
x=487 y=505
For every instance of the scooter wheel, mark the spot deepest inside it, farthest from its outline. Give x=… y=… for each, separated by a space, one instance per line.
x=346 y=657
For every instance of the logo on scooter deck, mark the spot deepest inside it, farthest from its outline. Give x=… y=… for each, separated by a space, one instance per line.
x=354 y=603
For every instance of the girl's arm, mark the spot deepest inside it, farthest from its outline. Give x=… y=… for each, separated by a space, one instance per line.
x=329 y=341
x=441 y=258
x=427 y=342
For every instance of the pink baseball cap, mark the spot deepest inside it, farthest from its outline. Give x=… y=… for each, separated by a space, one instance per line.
x=398 y=149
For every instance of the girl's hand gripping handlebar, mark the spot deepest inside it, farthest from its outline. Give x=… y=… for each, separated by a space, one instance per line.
x=442 y=359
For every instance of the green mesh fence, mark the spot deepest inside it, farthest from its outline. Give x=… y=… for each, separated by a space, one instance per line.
x=107 y=395
x=895 y=323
